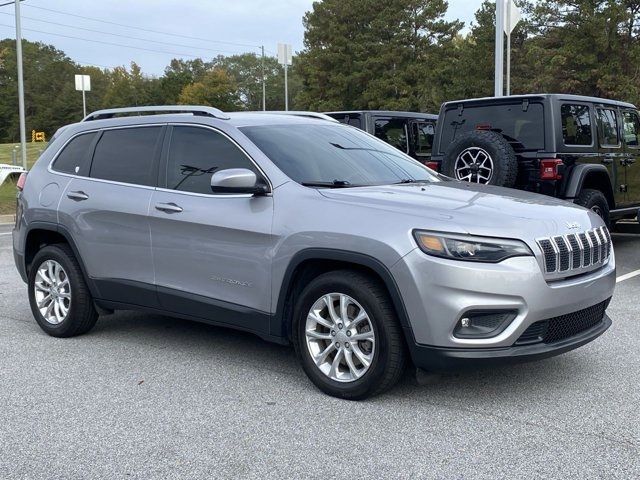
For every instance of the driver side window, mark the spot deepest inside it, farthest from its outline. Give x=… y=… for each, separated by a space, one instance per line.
x=196 y=153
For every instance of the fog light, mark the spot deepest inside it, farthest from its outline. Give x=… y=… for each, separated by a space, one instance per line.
x=484 y=324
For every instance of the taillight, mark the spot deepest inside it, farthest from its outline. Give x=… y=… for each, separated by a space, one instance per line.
x=433 y=165
x=551 y=169
x=21 y=181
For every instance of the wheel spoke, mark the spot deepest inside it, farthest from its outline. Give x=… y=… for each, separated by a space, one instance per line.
x=368 y=336
x=348 y=356
x=318 y=335
x=324 y=354
x=336 y=363
x=315 y=316
x=50 y=272
x=364 y=359
x=42 y=277
x=42 y=302
x=344 y=304
x=331 y=309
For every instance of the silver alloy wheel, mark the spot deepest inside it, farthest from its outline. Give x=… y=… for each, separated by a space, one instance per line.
x=52 y=292
x=340 y=337
x=474 y=164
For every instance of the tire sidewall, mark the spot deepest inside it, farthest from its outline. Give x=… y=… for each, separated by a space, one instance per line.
x=57 y=254
x=494 y=145
x=358 y=388
x=590 y=198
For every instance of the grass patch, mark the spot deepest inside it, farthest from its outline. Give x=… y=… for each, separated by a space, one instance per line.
x=8 y=188
x=33 y=152
x=8 y=198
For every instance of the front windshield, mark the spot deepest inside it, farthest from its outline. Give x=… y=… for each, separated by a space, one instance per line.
x=331 y=155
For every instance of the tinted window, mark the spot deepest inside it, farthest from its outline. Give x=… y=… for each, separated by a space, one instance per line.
x=74 y=158
x=127 y=155
x=196 y=153
x=631 y=128
x=608 y=127
x=352 y=119
x=527 y=127
x=322 y=153
x=576 y=125
x=423 y=133
x=392 y=131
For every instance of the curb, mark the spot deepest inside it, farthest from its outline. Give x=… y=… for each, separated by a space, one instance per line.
x=7 y=219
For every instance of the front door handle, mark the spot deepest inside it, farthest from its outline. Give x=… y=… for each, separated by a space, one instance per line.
x=607 y=160
x=168 y=207
x=79 y=196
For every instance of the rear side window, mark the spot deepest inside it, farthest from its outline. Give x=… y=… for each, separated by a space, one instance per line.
x=127 y=155
x=631 y=128
x=526 y=126
x=576 y=125
x=195 y=154
x=608 y=128
x=74 y=158
x=393 y=131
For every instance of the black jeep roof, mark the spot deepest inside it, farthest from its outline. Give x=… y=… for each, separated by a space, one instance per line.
x=541 y=96
x=389 y=113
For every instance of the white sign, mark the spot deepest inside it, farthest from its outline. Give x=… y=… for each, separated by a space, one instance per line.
x=512 y=16
x=285 y=54
x=83 y=83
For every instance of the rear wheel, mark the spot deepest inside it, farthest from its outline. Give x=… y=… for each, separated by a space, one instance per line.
x=596 y=202
x=58 y=294
x=347 y=336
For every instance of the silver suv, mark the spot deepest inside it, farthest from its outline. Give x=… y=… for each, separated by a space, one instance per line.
x=304 y=231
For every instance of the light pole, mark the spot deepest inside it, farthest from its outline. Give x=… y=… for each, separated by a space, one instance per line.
x=23 y=129
x=499 y=85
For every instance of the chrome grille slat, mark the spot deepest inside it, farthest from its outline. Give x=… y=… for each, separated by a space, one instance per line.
x=575 y=253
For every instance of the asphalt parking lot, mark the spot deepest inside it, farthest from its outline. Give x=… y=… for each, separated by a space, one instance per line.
x=144 y=396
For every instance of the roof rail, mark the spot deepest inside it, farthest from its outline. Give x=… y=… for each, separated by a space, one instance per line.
x=159 y=109
x=298 y=113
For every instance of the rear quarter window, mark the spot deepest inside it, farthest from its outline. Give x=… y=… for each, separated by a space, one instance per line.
x=525 y=127
x=576 y=124
x=74 y=157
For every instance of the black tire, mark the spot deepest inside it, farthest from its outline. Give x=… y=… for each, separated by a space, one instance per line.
x=505 y=163
x=389 y=356
x=596 y=201
x=82 y=315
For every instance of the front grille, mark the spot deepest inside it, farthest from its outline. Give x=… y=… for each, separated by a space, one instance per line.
x=572 y=254
x=565 y=326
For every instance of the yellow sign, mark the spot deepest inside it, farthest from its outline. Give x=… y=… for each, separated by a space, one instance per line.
x=37 y=136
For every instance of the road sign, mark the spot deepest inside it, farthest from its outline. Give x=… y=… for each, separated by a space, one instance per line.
x=512 y=17
x=285 y=54
x=83 y=83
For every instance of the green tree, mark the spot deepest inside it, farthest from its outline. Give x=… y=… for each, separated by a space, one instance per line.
x=131 y=88
x=216 y=88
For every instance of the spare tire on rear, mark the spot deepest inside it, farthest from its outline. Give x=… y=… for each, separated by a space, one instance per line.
x=481 y=156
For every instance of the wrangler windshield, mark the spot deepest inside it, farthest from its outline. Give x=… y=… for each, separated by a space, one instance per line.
x=335 y=156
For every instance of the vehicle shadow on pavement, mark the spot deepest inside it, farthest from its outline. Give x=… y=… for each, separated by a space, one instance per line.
x=227 y=348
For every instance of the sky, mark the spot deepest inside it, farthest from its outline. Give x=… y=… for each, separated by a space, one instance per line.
x=109 y=33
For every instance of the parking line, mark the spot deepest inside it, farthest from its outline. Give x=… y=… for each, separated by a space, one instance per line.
x=627 y=276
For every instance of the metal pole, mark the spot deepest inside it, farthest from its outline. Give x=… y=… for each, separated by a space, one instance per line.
x=23 y=128
x=499 y=85
x=264 y=88
x=286 y=88
x=84 y=100
x=509 y=48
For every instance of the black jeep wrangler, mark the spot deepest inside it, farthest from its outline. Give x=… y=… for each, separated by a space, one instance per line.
x=578 y=148
x=410 y=132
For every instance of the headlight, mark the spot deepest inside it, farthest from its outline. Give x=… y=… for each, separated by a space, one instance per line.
x=470 y=248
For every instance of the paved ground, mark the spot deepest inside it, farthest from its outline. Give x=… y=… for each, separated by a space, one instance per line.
x=145 y=397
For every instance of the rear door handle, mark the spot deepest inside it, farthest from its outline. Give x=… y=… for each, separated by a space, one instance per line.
x=168 y=207
x=79 y=195
x=607 y=160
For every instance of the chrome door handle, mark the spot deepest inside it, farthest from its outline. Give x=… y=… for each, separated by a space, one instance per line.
x=607 y=160
x=168 y=207
x=79 y=195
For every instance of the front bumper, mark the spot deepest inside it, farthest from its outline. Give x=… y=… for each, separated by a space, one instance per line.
x=445 y=359
x=438 y=292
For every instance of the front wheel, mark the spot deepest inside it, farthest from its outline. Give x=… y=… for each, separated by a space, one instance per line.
x=347 y=336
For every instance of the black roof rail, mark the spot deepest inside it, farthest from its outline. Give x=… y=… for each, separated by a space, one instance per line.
x=159 y=109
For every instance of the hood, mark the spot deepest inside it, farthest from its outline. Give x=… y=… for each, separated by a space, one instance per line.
x=474 y=209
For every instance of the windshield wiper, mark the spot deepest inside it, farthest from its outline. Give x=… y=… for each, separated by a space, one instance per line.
x=334 y=184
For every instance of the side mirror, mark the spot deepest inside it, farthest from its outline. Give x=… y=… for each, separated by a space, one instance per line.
x=237 y=180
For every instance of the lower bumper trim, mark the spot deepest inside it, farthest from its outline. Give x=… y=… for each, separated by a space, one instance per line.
x=445 y=359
